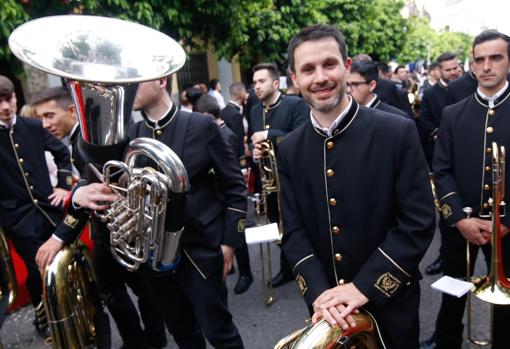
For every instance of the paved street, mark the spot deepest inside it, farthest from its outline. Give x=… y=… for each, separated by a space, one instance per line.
x=260 y=326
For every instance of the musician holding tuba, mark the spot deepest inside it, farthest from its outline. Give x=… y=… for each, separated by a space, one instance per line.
x=357 y=208
x=55 y=107
x=30 y=208
x=462 y=167
x=193 y=299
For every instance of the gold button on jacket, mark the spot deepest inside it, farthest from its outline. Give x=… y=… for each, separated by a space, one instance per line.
x=338 y=257
x=332 y=202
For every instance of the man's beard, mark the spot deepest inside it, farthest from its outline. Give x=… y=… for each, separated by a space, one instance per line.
x=325 y=106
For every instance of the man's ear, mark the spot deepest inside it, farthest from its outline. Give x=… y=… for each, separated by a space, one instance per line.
x=372 y=85
x=72 y=110
x=294 y=79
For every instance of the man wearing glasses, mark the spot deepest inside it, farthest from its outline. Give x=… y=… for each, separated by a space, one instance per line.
x=361 y=83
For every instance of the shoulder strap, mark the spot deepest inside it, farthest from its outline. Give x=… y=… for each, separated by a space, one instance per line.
x=179 y=133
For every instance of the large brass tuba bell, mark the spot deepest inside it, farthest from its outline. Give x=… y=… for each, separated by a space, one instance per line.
x=365 y=335
x=103 y=60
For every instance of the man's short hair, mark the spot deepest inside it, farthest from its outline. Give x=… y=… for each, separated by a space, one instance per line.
x=6 y=87
x=361 y=57
x=208 y=104
x=193 y=93
x=236 y=89
x=446 y=56
x=489 y=35
x=59 y=94
x=314 y=33
x=432 y=66
x=213 y=83
x=398 y=68
x=368 y=70
x=383 y=67
x=270 y=67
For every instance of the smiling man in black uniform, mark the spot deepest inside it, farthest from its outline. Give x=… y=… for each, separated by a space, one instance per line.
x=194 y=298
x=357 y=206
x=462 y=168
x=30 y=208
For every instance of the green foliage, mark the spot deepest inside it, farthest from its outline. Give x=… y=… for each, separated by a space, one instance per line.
x=425 y=43
x=256 y=30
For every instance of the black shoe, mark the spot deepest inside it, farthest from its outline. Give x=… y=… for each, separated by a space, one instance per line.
x=428 y=344
x=243 y=284
x=435 y=267
x=282 y=278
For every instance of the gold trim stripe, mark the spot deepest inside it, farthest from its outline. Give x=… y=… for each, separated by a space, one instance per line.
x=25 y=180
x=192 y=262
x=395 y=263
x=235 y=209
x=301 y=261
x=447 y=195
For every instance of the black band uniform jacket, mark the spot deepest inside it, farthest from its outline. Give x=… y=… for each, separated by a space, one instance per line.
x=280 y=118
x=463 y=155
x=216 y=184
x=24 y=176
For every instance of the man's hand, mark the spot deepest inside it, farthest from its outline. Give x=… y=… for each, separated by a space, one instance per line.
x=504 y=230
x=57 y=198
x=258 y=137
x=96 y=196
x=228 y=259
x=477 y=231
x=257 y=152
x=337 y=304
x=47 y=252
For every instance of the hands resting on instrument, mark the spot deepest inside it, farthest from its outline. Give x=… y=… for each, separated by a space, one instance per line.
x=478 y=231
x=95 y=196
x=337 y=304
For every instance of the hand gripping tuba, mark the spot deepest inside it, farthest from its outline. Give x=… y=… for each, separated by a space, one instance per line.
x=140 y=230
x=365 y=335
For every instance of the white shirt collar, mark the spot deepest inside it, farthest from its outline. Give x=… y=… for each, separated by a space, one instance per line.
x=369 y=104
x=442 y=82
x=494 y=97
x=12 y=124
x=329 y=131
x=67 y=139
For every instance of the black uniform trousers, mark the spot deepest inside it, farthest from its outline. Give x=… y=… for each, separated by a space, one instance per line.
x=449 y=327
x=112 y=280
x=27 y=249
x=194 y=303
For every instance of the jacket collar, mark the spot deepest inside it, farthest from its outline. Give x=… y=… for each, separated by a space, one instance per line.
x=492 y=103
x=163 y=122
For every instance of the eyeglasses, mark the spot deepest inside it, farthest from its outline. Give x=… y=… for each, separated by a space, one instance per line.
x=355 y=84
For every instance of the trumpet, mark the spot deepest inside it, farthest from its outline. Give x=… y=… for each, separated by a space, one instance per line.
x=270 y=185
x=493 y=288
